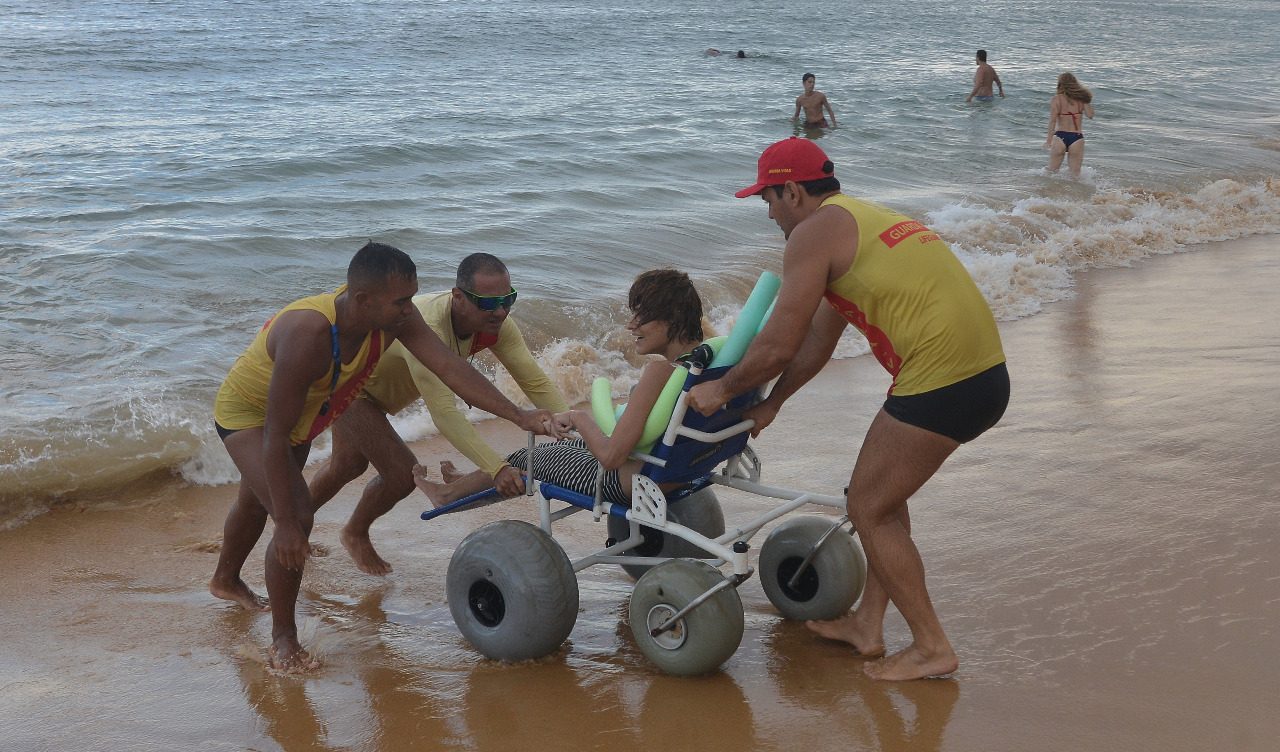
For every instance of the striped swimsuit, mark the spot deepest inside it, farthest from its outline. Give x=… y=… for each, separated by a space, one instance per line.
x=569 y=464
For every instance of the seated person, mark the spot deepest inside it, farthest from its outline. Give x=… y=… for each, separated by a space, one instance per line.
x=666 y=321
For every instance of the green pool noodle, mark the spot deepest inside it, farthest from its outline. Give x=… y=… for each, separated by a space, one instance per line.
x=749 y=321
x=607 y=416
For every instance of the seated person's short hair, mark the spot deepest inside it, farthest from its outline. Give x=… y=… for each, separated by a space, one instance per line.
x=668 y=295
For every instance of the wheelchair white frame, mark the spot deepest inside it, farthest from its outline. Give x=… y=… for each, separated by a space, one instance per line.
x=649 y=503
x=672 y=594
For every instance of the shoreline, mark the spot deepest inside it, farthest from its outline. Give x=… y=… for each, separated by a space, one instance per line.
x=1024 y=254
x=1103 y=561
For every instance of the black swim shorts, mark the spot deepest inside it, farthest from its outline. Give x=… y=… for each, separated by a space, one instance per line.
x=961 y=411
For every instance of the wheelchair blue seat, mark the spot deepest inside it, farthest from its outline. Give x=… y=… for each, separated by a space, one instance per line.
x=689 y=459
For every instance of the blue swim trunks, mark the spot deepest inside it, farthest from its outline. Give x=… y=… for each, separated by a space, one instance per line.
x=987 y=98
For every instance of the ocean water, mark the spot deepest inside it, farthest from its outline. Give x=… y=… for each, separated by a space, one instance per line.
x=173 y=173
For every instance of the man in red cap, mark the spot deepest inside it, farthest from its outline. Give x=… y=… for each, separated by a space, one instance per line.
x=928 y=325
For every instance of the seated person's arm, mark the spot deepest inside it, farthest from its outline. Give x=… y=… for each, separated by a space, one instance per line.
x=613 y=451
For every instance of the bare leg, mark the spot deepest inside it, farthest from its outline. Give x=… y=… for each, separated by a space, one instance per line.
x=286 y=653
x=240 y=533
x=1075 y=158
x=863 y=627
x=346 y=463
x=367 y=426
x=1056 y=152
x=244 y=527
x=896 y=459
x=450 y=491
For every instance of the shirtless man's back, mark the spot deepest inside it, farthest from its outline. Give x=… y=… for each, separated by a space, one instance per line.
x=983 y=78
x=813 y=102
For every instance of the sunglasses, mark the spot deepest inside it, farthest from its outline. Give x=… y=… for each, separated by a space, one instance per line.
x=491 y=302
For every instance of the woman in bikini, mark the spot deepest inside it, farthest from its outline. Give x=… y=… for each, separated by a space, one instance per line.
x=1065 y=135
x=666 y=321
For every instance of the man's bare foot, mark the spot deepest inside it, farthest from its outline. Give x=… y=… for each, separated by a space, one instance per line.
x=287 y=656
x=240 y=593
x=449 y=472
x=865 y=639
x=913 y=663
x=363 y=553
x=434 y=491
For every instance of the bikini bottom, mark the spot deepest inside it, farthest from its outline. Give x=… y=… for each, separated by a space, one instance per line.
x=1069 y=137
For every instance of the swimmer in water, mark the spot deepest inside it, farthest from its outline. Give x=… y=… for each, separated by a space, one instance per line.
x=812 y=102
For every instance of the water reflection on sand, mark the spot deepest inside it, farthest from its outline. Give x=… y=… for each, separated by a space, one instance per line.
x=1104 y=562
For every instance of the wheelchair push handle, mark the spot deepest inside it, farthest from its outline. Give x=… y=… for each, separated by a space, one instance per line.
x=700 y=357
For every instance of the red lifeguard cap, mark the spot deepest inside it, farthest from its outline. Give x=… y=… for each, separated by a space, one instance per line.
x=796 y=159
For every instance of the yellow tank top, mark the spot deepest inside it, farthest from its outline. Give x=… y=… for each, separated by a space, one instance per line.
x=242 y=400
x=925 y=319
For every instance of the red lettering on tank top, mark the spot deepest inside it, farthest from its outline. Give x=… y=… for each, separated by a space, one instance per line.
x=881 y=347
x=901 y=232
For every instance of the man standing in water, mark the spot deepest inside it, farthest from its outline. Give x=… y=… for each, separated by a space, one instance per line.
x=303 y=369
x=983 y=78
x=469 y=319
x=812 y=102
x=928 y=325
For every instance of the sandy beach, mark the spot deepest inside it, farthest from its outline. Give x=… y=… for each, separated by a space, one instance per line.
x=1104 y=561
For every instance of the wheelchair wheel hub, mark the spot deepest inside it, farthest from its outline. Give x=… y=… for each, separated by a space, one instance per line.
x=487 y=603
x=673 y=638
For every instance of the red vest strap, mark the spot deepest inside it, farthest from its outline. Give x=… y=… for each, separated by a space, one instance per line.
x=481 y=341
x=346 y=394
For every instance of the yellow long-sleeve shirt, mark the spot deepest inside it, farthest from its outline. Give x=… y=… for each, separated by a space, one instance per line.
x=400 y=380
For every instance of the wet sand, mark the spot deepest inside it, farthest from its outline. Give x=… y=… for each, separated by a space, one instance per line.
x=1105 y=562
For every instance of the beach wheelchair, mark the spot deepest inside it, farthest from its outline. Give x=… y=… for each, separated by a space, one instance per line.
x=513 y=591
